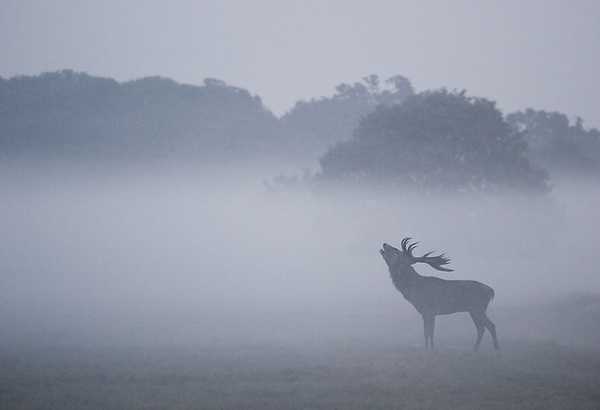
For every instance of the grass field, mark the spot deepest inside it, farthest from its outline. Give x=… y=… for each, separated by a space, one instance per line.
x=365 y=375
x=549 y=359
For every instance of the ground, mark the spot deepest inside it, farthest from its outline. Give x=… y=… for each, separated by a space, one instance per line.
x=341 y=375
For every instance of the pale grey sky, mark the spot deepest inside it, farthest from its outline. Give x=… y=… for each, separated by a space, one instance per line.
x=541 y=54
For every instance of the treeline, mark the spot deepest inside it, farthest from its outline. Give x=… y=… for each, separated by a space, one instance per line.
x=74 y=114
x=367 y=132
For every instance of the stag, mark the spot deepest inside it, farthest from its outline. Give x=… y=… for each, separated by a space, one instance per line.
x=433 y=296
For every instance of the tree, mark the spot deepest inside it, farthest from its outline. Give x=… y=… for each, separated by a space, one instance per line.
x=314 y=125
x=435 y=141
x=68 y=114
x=556 y=144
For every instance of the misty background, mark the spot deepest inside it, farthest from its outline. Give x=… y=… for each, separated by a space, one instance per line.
x=151 y=202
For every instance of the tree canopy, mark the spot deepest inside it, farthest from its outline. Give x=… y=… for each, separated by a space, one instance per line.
x=318 y=123
x=557 y=145
x=366 y=132
x=74 y=114
x=435 y=141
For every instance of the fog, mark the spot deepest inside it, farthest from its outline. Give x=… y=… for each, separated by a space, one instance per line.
x=163 y=254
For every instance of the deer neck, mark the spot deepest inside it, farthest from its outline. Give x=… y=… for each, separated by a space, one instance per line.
x=404 y=278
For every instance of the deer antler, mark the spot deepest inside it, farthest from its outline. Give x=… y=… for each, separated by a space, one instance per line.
x=408 y=250
x=435 y=262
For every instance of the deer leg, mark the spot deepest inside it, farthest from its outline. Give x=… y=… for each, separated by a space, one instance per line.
x=492 y=328
x=428 y=325
x=480 y=328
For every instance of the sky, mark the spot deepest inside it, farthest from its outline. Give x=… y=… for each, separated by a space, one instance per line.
x=540 y=54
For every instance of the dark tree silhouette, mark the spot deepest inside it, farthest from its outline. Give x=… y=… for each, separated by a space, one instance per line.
x=314 y=125
x=435 y=141
x=558 y=145
x=71 y=114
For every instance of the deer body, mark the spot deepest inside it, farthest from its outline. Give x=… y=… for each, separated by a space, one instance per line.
x=433 y=296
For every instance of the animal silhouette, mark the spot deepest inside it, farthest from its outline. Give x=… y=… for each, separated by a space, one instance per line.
x=433 y=296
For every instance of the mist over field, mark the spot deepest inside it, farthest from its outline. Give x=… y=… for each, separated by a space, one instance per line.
x=155 y=254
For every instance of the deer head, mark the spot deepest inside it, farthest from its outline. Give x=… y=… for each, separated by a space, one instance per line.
x=395 y=257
